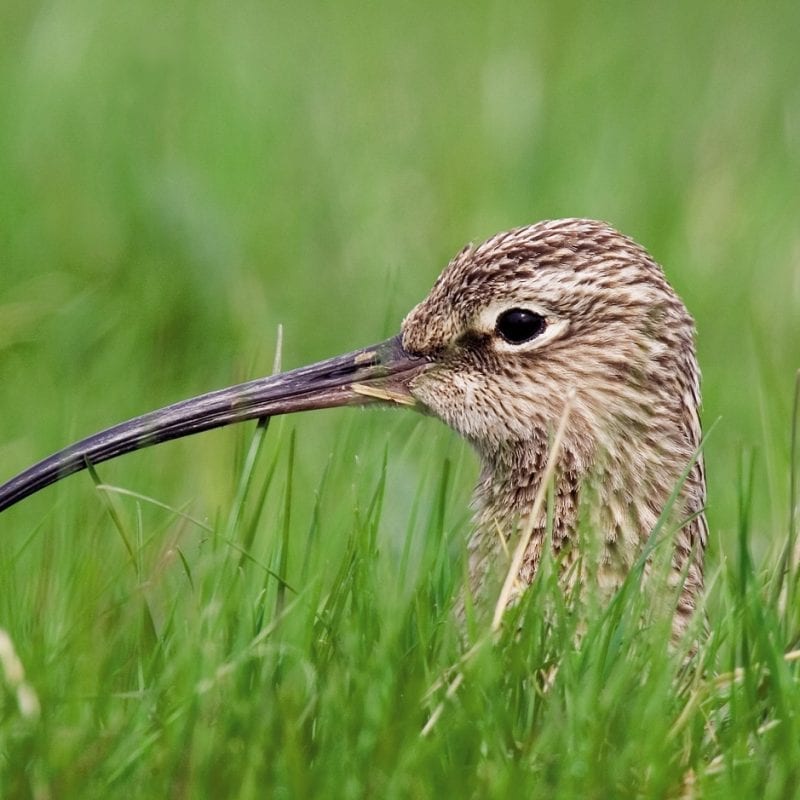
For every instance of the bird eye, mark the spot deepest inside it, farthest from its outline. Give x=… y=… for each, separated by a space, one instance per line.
x=518 y=325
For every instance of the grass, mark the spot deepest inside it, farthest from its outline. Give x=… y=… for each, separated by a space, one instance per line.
x=237 y=615
x=207 y=668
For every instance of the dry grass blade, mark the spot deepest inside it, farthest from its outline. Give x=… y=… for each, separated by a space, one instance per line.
x=507 y=591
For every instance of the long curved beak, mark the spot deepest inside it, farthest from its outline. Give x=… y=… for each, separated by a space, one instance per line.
x=381 y=373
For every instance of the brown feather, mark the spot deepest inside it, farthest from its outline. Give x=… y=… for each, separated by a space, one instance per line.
x=618 y=335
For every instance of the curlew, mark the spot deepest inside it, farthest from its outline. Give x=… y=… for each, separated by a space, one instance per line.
x=511 y=328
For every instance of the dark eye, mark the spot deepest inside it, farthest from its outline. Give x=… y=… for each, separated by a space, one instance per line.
x=518 y=325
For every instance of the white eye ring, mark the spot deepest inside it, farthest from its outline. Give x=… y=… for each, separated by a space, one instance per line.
x=520 y=325
x=487 y=323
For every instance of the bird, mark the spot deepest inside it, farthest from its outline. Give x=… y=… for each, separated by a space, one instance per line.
x=565 y=315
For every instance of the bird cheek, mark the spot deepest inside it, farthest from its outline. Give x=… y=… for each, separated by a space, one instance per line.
x=456 y=398
x=435 y=391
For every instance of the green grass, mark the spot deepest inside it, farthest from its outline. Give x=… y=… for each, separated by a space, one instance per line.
x=174 y=183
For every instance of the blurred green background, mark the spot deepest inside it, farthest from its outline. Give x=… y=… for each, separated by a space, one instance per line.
x=177 y=179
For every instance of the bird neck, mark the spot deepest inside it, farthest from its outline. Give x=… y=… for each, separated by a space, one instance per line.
x=616 y=494
x=504 y=497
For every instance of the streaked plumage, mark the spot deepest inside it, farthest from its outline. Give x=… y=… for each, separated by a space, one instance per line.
x=604 y=324
x=618 y=335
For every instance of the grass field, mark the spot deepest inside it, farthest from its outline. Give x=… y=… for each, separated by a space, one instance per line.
x=178 y=180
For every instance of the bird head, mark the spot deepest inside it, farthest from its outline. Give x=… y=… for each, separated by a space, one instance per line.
x=514 y=326
x=509 y=330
